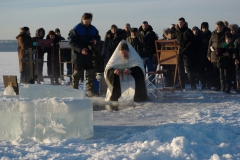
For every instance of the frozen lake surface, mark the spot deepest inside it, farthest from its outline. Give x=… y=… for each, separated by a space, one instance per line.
x=189 y=125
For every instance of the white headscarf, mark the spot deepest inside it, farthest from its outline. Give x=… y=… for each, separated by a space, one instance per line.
x=116 y=61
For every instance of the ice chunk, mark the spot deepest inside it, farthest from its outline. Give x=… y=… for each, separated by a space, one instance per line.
x=33 y=91
x=27 y=118
x=10 y=120
x=52 y=118
x=57 y=119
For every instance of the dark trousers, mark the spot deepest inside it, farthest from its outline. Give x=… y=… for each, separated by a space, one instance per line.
x=79 y=74
x=225 y=78
x=25 y=76
x=55 y=65
x=215 y=78
x=169 y=76
x=39 y=68
x=188 y=63
x=205 y=69
x=140 y=86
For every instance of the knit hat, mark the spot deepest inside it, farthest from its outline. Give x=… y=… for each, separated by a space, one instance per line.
x=25 y=29
x=57 y=30
x=133 y=30
x=114 y=26
x=51 y=33
x=204 y=25
x=195 y=28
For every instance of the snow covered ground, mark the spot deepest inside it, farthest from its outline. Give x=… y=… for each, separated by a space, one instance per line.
x=190 y=125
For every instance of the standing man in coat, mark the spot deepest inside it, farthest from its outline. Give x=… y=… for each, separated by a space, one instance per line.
x=83 y=38
x=137 y=42
x=186 y=55
x=111 y=41
x=205 y=68
x=126 y=31
x=24 y=42
x=216 y=41
x=149 y=37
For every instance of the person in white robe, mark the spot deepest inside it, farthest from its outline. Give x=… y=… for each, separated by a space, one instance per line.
x=125 y=75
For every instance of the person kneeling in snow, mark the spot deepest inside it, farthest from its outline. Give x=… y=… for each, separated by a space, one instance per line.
x=124 y=65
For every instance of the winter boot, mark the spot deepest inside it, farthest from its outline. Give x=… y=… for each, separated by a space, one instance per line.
x=90 y=75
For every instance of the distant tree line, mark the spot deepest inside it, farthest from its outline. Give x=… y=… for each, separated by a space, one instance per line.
x=8 y=45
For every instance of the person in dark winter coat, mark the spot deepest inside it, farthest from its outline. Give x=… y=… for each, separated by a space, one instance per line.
x=233 y=29
x=236 y=56
x=216 y=41
x=111 y=41
x=137 y=42
x=186 y=57
x=40 y=34
x=83 y=38
x=58 y=33
x=126 y=31
x=198 y=51
x=226 y=62
x=149 y=37
x=205 y=68
x=52 y=35
x=169 y=75
x=24 y=42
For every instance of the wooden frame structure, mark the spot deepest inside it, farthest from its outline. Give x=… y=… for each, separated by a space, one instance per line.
x=167 y=54
x=46 y=43
x=63 y=45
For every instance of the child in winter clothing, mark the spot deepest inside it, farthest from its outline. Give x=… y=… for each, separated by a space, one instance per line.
x=226 y=62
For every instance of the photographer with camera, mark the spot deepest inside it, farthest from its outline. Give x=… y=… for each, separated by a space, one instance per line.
x=83 y=38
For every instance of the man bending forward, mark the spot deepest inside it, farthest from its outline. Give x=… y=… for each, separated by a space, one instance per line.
x=125 y=61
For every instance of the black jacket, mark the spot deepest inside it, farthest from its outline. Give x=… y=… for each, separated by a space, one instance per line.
x=216 y=41
x=198 y=47
x=40 y=50
x=227 y=62
x=205 y=40
x=186 y=39
x=149 y=38
x=111 y=42
x=126 y=34
x=81 y=37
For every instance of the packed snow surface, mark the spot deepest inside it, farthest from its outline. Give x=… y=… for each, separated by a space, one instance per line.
x=184 y=125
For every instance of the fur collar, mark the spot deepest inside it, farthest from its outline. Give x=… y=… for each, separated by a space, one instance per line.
x=22 y=33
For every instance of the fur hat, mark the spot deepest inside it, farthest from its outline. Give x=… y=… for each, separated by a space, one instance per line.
x=133 y=30
x=25 y=29
x=233 y=27
x=225 y=23
x=57 y=30
x=204 y=25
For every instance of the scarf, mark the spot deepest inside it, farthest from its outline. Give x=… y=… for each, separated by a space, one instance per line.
x=225 y=45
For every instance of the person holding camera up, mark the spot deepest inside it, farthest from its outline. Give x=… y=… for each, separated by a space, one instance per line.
x=82 y=38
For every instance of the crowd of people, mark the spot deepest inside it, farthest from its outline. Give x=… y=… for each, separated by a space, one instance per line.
x=211 y=58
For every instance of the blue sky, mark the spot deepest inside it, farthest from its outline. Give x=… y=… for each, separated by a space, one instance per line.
x=51 y=14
